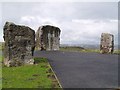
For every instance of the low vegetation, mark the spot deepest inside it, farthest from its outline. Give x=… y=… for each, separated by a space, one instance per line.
x=1 y=58
x=77 y=49
x=81 y=49
x=117 y=52
x=70 y=48
x=39 y=75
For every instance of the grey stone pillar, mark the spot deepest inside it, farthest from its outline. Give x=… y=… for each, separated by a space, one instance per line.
x=19 y=45
x=107 y=43
x=50 y=39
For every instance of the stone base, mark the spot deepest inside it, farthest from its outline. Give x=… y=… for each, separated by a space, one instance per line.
x=16 y=63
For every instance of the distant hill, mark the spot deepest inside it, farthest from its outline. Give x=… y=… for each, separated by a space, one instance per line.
x=85 y=46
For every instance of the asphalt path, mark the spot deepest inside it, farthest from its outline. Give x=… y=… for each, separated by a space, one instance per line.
x=83 y=70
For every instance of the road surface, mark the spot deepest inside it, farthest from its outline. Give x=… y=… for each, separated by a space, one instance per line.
x=83 y=70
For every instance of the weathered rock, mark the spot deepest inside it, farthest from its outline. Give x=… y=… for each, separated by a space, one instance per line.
x=107 y=43
x=48 y=38
x=19 y=44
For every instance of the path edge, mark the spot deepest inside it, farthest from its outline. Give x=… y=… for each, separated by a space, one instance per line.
x=55 y=76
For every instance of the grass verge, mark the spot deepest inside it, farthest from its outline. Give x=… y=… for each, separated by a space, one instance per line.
x=39 y=75
x=1 y=58
x=117 y=52
x=79 y=49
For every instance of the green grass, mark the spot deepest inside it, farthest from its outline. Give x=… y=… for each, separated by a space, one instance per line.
x=29 y=76
x=71 y=48
x=1 y=58
x=79 y=49
x=117 y=52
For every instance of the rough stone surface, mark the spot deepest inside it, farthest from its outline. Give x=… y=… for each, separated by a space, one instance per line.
x=107 y=43
x=48 y=38
x=19 y=44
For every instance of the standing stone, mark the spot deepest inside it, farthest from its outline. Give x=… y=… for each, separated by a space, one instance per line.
x=107 y=43
x=48 y=38
x=19 y=45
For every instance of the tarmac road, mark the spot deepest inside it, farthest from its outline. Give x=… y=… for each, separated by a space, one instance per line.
x=83 y=70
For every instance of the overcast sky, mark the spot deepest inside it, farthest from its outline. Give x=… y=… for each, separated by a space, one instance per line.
x=80 y=22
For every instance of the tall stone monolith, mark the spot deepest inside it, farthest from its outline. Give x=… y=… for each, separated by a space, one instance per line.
x=19 y=44
x=48 y=38
x=107 y=43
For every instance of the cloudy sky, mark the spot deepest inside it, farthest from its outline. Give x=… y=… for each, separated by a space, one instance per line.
x=80 y=22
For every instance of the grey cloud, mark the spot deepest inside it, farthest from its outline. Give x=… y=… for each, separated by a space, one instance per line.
x=63 y=14
x=63 y=11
